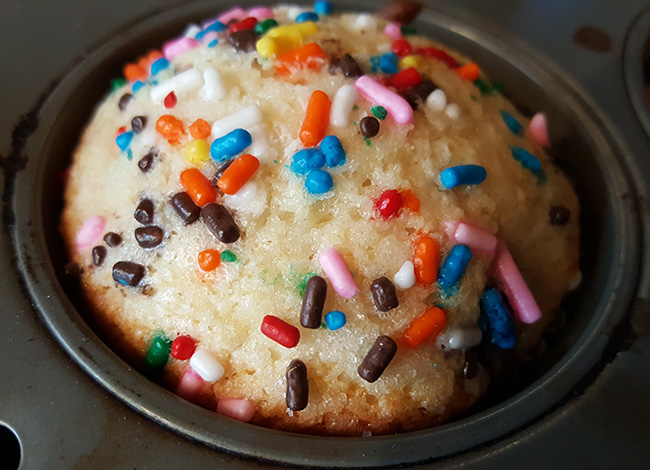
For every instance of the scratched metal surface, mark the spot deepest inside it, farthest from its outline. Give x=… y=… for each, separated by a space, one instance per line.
x=64 y=419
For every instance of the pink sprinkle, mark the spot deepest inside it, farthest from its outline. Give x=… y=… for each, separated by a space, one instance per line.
x=260 y=13
x=538 y=130
x=475 y=238
x=524 y=307
x=338 y=273
x=236 y=408
x=450 y=227
x=393 y=31
x=178 y=46
x=397 y=107
x=190 y=385
x=91 y=231
x=236 y=13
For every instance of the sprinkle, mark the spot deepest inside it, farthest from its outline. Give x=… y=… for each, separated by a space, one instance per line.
x=462 y=175
x=240 y=409
x=512 y=123
x=418 y=94
x=559 y=215
x=316 y=119
x=244 y=119
x=406 y=79
x=206 y=365
x=235 y=13
x=138 y=123
x=230 y=145
x=133 y=72
x=113 y=239
x=246 y=23
x=410 y=201
x=369 y=127
x=144 y=212
x=333 y=151
x=190 y=385
x=318 y=182
x=228 y=256
x=426 y=260
x=183 y=347
x=213 y=43
x=260 y=146
x=393 y=31
x=149 y=237
x=454 y=266
x=342 y=105
x=170 y=128
x=124 y=140
x=388 y=204
x=213 y=88
x=125 y=99
x=345 y=65
x=405 y=277
x=237 y=174
x=185 y=208
x=306 y=160
x=198 y=187
x=401 y=47
x=137 y=85
x=437 y=100
x=408 y=30
x=175 y=47
x=146 y=163
x=376 y=361
x=409 y=61
x=379 y=112
x=496 y=320
x=297 y=395
x=310 y=56
x=159 y=65
x=263 y=27
x=335 y=320
x=383 y=294
x=475 y=238
x=157 y=355
x=527 y=159
x=170 y=100
x=453 y=111
x=220 y=223
x=313 y=302
x=209 y=260
x=521 y=300
x=183 y=83
x=388 y=63
x=200 y=129
x=91 y=231
x=127 y=273
x=280 y=331
x=338 y=273
x=397 y=107
x=99 y=255
x=215 y=27
x=243 y=41
x=460 y=338
x=260 y=13
x=468 y=72
x=438 y=54
x=303 y=29
x=323 y=7
x=306 y=16
x=538 y=130
x=428 y=325
x=117 y=83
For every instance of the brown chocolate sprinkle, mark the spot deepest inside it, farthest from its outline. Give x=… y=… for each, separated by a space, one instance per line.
x=345 y=65
x=377 y=359
x=138 y=124
x=220 y=223
x=418 y=94
x=559 y=215
x=220 y=172
x=128 y=273
x=146 y=163
x=149 y=237
x=124 y=101
x=99 y=255
x=297 y=386
x=72 y=269
x=593 y=39
x=313 y=302
x=112 y=239
x=369 y=126
x=383 y=294
x=185 y=208
x=243 y=41
x=144 y=212
x=401 y=11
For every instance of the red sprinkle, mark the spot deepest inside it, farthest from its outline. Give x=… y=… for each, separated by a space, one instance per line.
x=406 y=79
x=121 y=130
x=170 y=100
x=439 y=54
x=401 y=48
x=248 y=23
x=388 y=204
x=280 y=331
x=183 y=347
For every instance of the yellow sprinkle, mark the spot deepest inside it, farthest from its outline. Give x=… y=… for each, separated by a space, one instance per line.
x=308 y=27
x=267 y=47
x=408 y=62
x=197 y=152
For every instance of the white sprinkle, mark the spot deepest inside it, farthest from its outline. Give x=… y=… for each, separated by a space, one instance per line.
x=405 y=277
x=250 y=199
x=437 y=100
x=260 y=147
x=365 y=22
x=342 y=105
x=191 y=30
x=182 y=83
x=243 y=119
x=453 y=111
x=206 y=365
x=214 y=89
x=460 y=338
x=293 y=12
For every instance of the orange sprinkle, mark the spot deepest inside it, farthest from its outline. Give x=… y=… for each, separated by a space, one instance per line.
x=409 y=200
x=316 y=120
x=200 y=129
x=198 y=187
x=238 y=173
x=426 y=259
x=133 y=72
x=170 y=128
x=468 y=72
x=209 y=260
x=310 y=56
x=149 y=58
x=430 y=324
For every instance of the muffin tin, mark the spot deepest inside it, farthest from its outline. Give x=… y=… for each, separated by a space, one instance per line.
x=603 y=316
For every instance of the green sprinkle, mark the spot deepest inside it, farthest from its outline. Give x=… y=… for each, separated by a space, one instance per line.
x=228 y=256
x=354 y=122
x=118 y=83
x=264 y=26
x=275 y=161
x=408 y=30
x=488 y=89
x=323 y=325
x=379 y=112
x=302 y=284
x=355 y=108
x=368 y=143
x=158 y=355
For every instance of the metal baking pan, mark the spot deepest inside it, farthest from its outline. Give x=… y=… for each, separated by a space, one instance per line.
x=66 y=416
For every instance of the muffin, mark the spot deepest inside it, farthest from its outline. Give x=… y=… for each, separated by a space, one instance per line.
x=318 y=222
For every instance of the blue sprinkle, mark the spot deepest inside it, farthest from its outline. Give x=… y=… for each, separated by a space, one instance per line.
x=137 y=85
x=230 y=145
x=318 y=182
x=374 y=63
x=333 y=150
x=306 y=160
x=323 y=7
x=129 y=154
x=496 y=320
x=335 y=320
x=454 y=266
x=388 y=63
x=213 y=43
x=307 y=16
x=159 y=65
x=512 y=123
x=462 y=174
x=527 y=159
x=124 y=140
x=217 y=27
